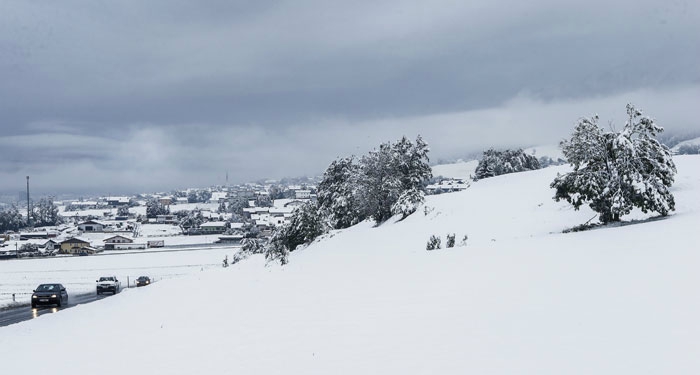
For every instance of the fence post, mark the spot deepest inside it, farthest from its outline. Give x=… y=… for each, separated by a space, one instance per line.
x=13 y=297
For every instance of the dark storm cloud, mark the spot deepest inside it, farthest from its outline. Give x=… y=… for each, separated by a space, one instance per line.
x=191 y=90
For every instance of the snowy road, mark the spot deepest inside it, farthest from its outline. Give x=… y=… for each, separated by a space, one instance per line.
x=21 y=313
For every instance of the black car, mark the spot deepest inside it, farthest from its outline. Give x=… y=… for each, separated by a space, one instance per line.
x=143 y=281
x=49 y=294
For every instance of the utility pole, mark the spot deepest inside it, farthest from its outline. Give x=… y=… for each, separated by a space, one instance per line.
x=29 y=217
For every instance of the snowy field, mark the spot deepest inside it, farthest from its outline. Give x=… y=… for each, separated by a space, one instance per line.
x=519 y=298
x=78 y=274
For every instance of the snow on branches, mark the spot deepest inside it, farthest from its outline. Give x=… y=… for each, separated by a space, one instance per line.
x=614 y=171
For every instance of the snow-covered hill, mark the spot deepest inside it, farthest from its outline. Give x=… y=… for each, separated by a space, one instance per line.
x=689 y=142
x=519 y=298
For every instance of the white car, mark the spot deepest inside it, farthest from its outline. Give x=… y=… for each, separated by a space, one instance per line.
x=108 y=284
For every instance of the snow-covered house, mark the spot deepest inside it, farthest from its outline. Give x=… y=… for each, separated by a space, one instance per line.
x=213 y=227
x=122 y=243
x=117 y=201
x=218 y=197
x=91 y=226
x=302 y=194
x=73 y=245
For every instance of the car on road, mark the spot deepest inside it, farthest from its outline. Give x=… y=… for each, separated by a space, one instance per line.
x=108 y=284
x=143 y=281
x=49 y=294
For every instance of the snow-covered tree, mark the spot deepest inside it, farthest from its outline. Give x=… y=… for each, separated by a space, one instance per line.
x=45 y=213
x=123 y=211
x=408 y=202
x=253 y=246
x=190 y=219
x=11 y=219
x=614 y=171
x=391 y=171
x=337 y=193
x=155 y=208
x=495 y=163
x=305 y=225
x=276 y=249
x=689 y=149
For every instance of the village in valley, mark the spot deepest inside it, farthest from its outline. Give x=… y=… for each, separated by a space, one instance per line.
x=192 y=218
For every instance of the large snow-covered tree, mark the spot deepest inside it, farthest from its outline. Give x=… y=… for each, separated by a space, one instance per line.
x=615 y=171
x=11 y=219
x=387 y=181
x=155 y=208
x=45 y=213
x=337 y=193
x=390 y=172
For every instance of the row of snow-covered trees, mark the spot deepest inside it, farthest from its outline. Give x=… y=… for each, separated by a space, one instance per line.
x=496 y=163
x=43 y=213
x=613 y=172
x=385 y=182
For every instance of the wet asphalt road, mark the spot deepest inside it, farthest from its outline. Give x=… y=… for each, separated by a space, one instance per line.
x=21 y=313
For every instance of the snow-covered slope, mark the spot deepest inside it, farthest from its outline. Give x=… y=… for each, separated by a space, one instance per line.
x=458 y=170
x=520 y=298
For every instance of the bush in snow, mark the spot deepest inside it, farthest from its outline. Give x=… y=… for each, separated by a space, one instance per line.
x=434 y=243
x=617 y=170
x=464 y=241
x=495 y=163
x=252 y=246
x=29 y=248
x=276 y=249
x=123 y=211
x=450 y=240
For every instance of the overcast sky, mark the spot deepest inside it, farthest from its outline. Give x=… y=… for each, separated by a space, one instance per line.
x=128 y=96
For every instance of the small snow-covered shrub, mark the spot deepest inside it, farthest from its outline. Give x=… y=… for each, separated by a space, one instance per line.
x=253 y=246
x=464 y=241
x=434 y=243
x=450 y=240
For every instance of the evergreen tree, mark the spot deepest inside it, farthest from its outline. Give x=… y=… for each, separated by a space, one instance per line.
x=305 y=225
x=337 y=193
x=616 y=171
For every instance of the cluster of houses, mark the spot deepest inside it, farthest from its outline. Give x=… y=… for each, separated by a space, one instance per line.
x=93 y=226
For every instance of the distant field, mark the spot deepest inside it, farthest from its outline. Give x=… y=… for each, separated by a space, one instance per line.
x=78 y=274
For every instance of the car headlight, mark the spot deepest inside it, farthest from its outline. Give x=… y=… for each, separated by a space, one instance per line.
x=53 y=296
x=34 y=296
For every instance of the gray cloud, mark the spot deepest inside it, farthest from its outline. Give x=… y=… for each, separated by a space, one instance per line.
x=146 y=95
